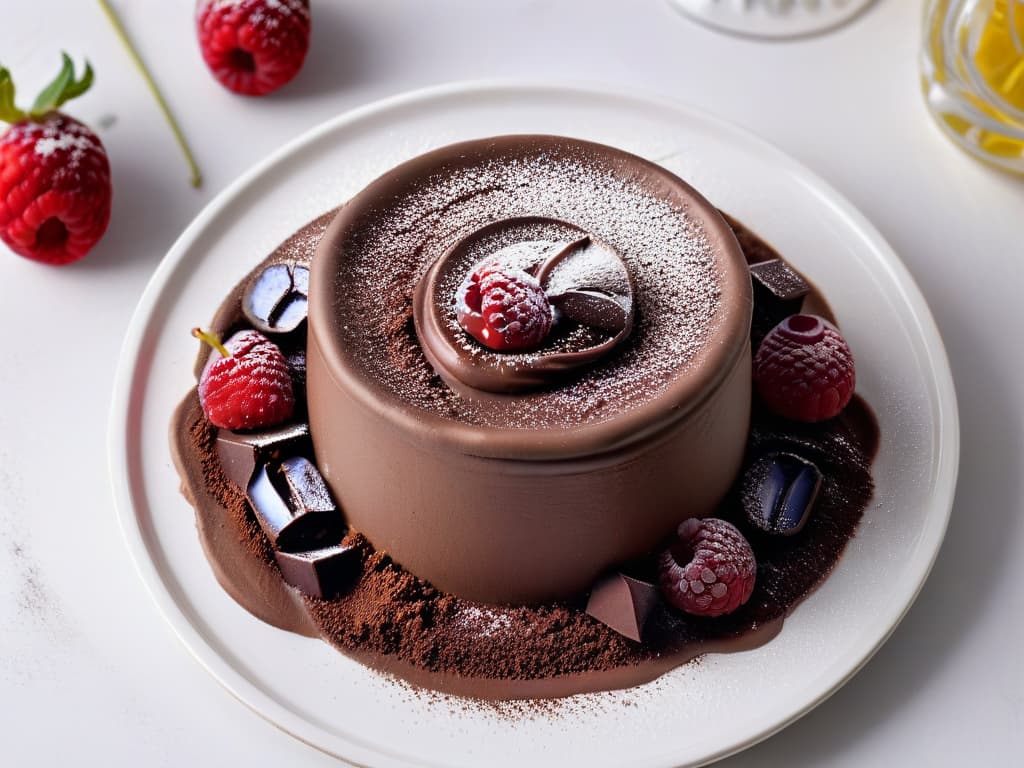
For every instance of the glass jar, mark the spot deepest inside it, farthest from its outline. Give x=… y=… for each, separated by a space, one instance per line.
x=972 y=75
x=772 y=18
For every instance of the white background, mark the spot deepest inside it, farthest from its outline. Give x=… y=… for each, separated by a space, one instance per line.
x=88 y=670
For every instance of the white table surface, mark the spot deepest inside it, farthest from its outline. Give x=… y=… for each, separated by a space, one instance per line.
x=90 y=673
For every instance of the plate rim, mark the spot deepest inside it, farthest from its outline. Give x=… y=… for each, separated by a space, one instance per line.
x=122 y=411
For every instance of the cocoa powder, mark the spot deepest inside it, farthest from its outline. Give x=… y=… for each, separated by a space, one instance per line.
x=203 y=436
x=390 y=612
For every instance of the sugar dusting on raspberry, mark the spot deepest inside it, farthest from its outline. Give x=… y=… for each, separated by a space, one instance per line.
x=68 y=139
x=259 y=15
x=77 y=144
x=285 y=7
x=674 y=267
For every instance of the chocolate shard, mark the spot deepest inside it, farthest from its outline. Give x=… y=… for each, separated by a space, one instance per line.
x=293 y=506
x=778 y=493
x=595 y=308
x=321 y=572
x=589 y=284
x=780 y=280
x=276 y=299
x=623 y=603
x=779 y=291
x=241 y=452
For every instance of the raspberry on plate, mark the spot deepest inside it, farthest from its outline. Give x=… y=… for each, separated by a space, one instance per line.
x=709 y=569
x=249 y=386
x=253 y=47
x=804 y=369
x=504 y=308
x=55 y=190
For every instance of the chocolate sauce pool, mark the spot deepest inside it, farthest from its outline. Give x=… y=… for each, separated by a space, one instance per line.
x=399 y=624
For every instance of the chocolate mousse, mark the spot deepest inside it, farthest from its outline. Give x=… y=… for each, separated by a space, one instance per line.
x=488 y=491
x=489 y=523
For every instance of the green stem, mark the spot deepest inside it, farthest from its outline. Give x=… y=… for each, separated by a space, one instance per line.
x=208 y=337
x=196 y=179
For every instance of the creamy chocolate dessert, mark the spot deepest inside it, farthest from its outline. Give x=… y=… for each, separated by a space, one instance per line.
x=487 y=482
x=515 y=450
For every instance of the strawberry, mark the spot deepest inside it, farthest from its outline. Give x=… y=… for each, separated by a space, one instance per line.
x=249 y=386
x=253 y=47
x=54 y=175
x=504 y=308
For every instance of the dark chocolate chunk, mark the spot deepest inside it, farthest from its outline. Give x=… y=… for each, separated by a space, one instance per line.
x=778 y=492
x=780 y=280
x=779 y=292
x=593 y=308
x=293 y=505
x=276 y=299
x=623 y=603
x=300 y=279
x=320 y=572
x=590 y=284
x=240 y=453
x=296 y=360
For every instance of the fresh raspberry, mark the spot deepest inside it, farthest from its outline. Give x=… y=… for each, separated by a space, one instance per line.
x=504 y=308
x=249 y=386
x=709 y=570
x=804 y=369
x=253 y=47
x=54 y=175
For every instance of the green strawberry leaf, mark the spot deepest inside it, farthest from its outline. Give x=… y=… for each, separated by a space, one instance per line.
x=48 y=99
x=78 y=87
x=63 y=88
x=8 y=112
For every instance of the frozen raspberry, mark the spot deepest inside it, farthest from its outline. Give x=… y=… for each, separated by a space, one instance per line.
x=503 y=308
x=804 y=370
x=253 y=47
x=249 y=386
x=709 y=570
x=55 y=188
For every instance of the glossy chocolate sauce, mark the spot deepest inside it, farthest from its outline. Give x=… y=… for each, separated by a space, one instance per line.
x=399 y=624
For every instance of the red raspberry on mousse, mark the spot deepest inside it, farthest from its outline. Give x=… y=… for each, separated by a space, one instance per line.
x=503 y=307
x=804 y=369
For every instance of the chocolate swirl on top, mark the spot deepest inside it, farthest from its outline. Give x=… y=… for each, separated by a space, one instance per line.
x=586 y=281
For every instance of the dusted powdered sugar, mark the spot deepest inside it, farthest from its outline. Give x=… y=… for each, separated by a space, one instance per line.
x=60 y=140
x=589 y=268
x=676 y=272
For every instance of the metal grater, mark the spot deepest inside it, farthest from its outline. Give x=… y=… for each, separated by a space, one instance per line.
x=771 y=18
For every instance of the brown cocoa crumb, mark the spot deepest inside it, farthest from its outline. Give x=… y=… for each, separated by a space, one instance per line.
x=203 y=437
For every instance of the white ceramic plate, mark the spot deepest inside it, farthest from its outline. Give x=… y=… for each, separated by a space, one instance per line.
x=690 y=716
